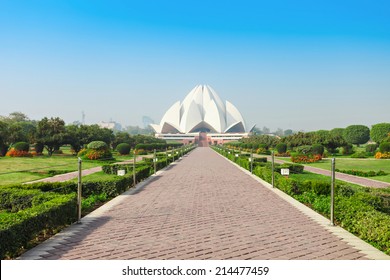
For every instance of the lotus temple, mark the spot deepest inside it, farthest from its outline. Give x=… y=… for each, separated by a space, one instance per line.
x=202 y=115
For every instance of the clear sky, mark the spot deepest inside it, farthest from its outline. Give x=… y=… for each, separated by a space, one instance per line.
x=303 y=65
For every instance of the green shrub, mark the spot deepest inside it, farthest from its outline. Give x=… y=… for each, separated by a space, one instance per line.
x=347 y=149
x=21 y=146
x=379 y=132
x=258 y=160
x=384 y=147
x=371 y=148
x=281 y=148
x=320 y=187
x=356 y=134
x=363 y=173
x=345 y=190
x=359 y=155
x=364 y=221
x=294 y=168
x=322 y=204
x=305 y=150
x=39 y=148
x=317 y=149
x=17 y=229
x=288 y=186
x=92 y=200
x=97 y=145
x=123 y=148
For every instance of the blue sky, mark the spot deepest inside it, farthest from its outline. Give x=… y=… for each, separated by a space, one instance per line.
x=303 y=65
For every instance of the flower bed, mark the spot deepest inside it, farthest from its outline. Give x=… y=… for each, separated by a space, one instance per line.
x=306 y=158
x=385 y=155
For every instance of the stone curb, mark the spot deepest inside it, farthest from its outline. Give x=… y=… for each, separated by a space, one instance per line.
x=37 y=252
x=370 y=251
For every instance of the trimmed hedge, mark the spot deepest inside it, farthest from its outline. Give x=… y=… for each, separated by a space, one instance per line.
x=21 y=146
x=363 y=173
x=294 y=168
x=360 y=210
x=123 y=148
x=17 y=229
x=97 y=145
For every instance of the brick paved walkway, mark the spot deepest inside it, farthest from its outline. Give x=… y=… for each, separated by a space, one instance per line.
x=203 y=207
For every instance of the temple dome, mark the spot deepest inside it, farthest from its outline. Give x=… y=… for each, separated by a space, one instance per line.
x=202 y=110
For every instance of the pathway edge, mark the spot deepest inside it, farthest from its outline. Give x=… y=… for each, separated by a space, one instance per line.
x=365 y=248
x=72 y=230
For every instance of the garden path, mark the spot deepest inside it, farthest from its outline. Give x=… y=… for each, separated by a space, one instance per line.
x=203 y=207
x=340 y=176
x=71 y=175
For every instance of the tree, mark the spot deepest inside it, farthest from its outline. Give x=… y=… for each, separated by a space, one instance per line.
x=279 y=132
x=337 y=132
x=288 y=132
x=74 y=137
x=134 y=130
x=299 y=139
x=4 y=141
x=95 y=133
x=123 y=137
x=268 y=141
x=18 y=117
x=357 y=134
x=51 y=133
x=379 y=132
x=266 y=130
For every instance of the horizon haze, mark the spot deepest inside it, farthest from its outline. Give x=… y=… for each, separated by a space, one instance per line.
x=292 y=65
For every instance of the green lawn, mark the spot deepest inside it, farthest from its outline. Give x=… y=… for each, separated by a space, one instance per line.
x=356 y=164
x=313 y=176
x=20 y=170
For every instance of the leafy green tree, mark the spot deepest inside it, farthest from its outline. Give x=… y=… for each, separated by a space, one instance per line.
x=123 y=137
x=299 y=139
x=379 y=132
x=337 y=132
x=267 y=140
x=357 y=134
x=4 y=140
x=288 y=132
x=51 y=133
x=331 y=140
x=95 y=133
x=74 y=137
x=134 y=130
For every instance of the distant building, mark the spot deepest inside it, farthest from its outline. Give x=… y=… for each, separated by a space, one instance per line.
x=202 y=114
x=111 y=125
x=147 y=121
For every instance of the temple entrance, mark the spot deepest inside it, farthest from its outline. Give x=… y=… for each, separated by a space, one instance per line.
x=203 y=140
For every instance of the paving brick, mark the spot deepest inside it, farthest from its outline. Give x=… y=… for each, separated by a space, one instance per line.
x=203 y=208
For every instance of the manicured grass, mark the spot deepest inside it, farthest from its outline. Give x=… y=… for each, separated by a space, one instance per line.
x=359 y=164
x=95 y=176
x=21 y=170
x=308 y=176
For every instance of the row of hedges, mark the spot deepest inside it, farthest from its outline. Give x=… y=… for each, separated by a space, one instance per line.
x=30 y=206
x=147 y=163
x=362 y=211
x=157 y=146
x=28 y=209
x=363 y=173
x=18 y=228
